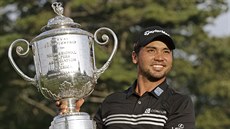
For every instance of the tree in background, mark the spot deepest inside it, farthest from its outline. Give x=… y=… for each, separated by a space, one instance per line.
x=201 y=66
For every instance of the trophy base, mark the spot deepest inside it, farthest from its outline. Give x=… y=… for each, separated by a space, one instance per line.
x=78 y=120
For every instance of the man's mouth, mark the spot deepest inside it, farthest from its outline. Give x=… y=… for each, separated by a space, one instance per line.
x=158 y=67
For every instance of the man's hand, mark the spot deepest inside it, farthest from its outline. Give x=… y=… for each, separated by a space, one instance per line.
x=63 y=108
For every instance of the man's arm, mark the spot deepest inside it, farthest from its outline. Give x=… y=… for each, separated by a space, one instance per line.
x=182 y=115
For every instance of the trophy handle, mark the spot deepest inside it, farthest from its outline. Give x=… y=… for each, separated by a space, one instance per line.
x=19 y=51
x=105 y=38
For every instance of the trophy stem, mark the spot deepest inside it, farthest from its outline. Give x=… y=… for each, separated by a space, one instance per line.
x=71 y=105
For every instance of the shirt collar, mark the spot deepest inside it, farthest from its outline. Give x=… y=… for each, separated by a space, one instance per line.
x=156 y=92
x=131 y=89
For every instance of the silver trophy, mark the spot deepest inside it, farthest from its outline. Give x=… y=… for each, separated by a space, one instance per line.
x=65 y=66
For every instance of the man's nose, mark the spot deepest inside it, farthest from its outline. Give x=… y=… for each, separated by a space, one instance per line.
x=158 y=56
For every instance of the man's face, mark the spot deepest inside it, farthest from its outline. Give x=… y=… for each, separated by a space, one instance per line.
x=154 y=60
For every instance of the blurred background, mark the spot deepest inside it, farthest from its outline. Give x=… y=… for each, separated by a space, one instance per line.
x=202 y=57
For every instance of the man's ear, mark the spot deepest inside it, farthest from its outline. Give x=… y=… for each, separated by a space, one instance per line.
x=134 y=57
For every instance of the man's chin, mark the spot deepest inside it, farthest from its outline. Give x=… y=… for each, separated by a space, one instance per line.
x=155 y=78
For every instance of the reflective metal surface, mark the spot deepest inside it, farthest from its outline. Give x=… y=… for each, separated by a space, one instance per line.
x=64 y=66
x=64 y=58
x=79 y=120
x=64 y=61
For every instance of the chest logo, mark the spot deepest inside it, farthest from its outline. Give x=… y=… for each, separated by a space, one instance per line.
x=149 y=110
x=180 y=126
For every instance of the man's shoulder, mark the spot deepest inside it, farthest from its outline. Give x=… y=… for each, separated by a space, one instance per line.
x=173 y=94
x=178 y=100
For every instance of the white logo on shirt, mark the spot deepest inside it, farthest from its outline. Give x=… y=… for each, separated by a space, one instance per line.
x=180 y=126
x=147 y=110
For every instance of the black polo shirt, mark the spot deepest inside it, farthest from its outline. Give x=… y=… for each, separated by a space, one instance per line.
x=162 y=108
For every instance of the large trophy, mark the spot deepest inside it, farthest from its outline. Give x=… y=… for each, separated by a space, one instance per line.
x=65 y=66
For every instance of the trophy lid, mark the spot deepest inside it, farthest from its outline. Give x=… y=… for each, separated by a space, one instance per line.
x=59 y=21
x=60 y=25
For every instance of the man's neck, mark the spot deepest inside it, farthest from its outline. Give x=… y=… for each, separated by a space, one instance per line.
x=145 y=85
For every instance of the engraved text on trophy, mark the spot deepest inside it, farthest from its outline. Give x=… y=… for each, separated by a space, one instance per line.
x=66 y=67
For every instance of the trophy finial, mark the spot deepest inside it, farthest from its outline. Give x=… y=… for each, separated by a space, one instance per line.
x=59 y=21
x=58 y=9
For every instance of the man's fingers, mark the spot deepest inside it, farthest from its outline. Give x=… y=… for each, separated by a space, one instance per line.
x=57 y=103
x=63 y=105
x=79 y=104
x=63 y=111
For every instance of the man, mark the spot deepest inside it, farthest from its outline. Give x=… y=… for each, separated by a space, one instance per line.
x=149 y=103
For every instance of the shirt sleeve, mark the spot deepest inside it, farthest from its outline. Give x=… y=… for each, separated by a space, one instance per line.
x=181 y=115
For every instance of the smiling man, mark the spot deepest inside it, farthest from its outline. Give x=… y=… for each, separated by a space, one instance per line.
x=149 y=103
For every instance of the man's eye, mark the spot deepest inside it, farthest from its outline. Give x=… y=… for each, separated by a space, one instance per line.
x=150 y=50
x=167 y=52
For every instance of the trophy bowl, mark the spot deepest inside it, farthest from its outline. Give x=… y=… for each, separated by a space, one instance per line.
x=65 y=64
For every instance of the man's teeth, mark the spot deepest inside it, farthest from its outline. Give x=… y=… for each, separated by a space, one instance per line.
x=158 y=66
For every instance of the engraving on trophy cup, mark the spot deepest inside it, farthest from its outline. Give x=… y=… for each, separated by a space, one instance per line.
x=64 y=61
